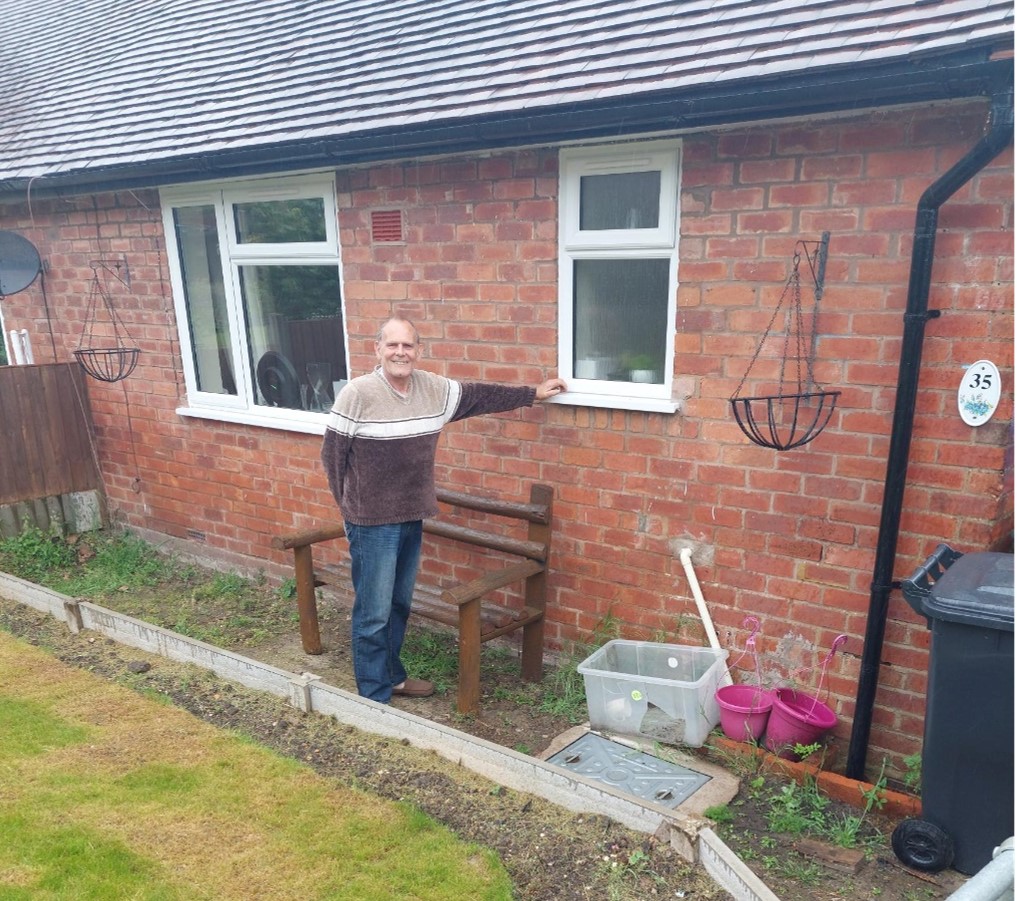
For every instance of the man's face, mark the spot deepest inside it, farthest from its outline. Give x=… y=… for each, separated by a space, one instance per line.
x=398 y=351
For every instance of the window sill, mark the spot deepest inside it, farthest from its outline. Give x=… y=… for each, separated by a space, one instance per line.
x=308 y=423
x=609 y=402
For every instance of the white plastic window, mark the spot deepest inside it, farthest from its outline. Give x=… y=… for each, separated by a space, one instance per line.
x=257 y=288
x=618 y=262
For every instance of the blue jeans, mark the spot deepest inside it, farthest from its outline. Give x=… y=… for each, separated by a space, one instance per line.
x=384 y=561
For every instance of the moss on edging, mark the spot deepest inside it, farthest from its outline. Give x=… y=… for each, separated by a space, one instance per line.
x=850 y=791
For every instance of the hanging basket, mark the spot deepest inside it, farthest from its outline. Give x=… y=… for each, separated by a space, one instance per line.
x=784 y=421
x=110 y=364
x=106 y=364
x=800 y=409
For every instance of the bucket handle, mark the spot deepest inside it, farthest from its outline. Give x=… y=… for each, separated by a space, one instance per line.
x=824 y=666
x=751 y=623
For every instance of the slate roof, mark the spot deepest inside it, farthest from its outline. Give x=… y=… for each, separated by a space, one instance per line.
x=150 y=91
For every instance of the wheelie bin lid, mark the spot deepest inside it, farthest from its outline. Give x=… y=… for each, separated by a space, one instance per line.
x=972 y=589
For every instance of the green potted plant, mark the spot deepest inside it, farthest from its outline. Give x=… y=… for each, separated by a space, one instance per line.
x=642 y=368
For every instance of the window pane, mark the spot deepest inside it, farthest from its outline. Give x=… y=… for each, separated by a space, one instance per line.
x=295 y=334
x=280 y=221
x=626 y=200
x=620 y=328
x=205 y=298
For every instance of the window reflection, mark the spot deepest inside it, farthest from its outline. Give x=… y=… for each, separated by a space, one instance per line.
x=280 y=221
x=205 y=299
x=294 y=332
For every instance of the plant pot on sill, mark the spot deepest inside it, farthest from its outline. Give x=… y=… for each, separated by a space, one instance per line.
x=796 y=719
x=744 y=711
x=644 y=376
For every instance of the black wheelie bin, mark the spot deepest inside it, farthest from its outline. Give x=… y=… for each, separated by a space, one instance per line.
x=967 y=757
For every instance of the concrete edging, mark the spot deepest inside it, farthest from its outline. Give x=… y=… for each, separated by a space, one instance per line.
x=687 y=833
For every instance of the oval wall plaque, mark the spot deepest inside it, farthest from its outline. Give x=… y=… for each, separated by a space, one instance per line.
x=978 y=394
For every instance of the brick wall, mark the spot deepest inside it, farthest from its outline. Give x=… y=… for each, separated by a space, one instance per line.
x=787 y=537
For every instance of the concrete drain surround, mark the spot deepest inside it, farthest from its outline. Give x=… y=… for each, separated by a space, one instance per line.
x=682 y=826
x=629 y=770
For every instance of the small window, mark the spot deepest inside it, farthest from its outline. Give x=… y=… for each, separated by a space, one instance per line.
x=256 y=281
x=618 y=275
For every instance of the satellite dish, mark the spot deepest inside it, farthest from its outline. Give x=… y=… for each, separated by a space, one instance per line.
x=19 y=263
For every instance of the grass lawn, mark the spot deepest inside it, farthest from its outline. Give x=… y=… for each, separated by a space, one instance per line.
x=106 y=795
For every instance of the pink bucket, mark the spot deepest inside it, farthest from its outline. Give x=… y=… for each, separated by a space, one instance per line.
x=744 y=711
x=796 y=719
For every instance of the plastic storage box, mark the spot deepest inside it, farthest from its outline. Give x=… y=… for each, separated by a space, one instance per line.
x=666 y=692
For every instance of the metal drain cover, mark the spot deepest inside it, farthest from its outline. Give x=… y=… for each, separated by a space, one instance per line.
x=629 y=770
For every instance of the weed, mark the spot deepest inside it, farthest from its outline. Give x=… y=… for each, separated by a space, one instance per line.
x=432 y=655
x=797 y=809
x=719 y=813
x=224 y=586
x=630 y=868
x=804 y=751
x=846 y=832
x=802 y=871
x=34 y=556
x=913 y=773
x=755 y=787
x=564 y=691
x=288 y=590
x=742 y=765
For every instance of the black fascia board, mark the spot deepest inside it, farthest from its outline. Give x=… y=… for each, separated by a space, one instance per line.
x=966 y=75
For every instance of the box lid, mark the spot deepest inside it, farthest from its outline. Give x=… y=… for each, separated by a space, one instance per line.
x=977 y=590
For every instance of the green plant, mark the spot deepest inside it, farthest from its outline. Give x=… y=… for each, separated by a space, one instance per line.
x=719 y=813
x=913 y=773
x=803 y=751
x=629 y=869
x=432 y=655
x=224 y=586
x=846 y=831
x=803 y=871
x=287 y=591
x=797 y=809
x=34 y=556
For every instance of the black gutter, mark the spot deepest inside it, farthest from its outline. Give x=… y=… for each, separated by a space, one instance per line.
x=964 y=74
x=917 y=313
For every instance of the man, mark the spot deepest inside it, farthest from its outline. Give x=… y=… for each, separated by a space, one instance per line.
x=379 y=451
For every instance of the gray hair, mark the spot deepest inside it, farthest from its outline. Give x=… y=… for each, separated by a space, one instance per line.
x=388 y=322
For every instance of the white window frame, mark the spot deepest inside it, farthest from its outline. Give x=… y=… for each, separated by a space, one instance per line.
x=221 y=196
x=576 y=244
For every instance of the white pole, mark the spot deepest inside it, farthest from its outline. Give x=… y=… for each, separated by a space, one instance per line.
x=704 y=614
x=19 y=351
x=26 y=346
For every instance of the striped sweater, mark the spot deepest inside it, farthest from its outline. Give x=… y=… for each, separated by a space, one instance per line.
x=379 y=446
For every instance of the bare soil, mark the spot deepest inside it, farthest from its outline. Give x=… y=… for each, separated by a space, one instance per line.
x=551 y=854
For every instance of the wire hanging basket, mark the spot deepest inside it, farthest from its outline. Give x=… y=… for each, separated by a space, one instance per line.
x=796 y=413
x=105 y=363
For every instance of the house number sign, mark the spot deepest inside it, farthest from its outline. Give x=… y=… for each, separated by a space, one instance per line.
x=978 y=394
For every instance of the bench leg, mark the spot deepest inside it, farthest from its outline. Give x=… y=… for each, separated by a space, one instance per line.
x=533 y=651
x=468 y=701
x=307 y=604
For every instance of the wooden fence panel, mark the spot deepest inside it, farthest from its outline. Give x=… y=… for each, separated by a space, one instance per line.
x=46 y=433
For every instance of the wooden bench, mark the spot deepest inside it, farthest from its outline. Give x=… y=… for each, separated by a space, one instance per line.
x=459 y=605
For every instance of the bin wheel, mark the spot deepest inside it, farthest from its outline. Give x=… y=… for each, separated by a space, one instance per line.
x=922 y=845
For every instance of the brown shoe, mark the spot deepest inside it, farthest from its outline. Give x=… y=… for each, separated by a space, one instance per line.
x=414 y=688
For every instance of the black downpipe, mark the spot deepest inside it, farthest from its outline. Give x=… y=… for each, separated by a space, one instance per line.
x=916 y=314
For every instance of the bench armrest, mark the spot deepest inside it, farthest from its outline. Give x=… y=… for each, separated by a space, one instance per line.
x=470 y=591
x=311 y=536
